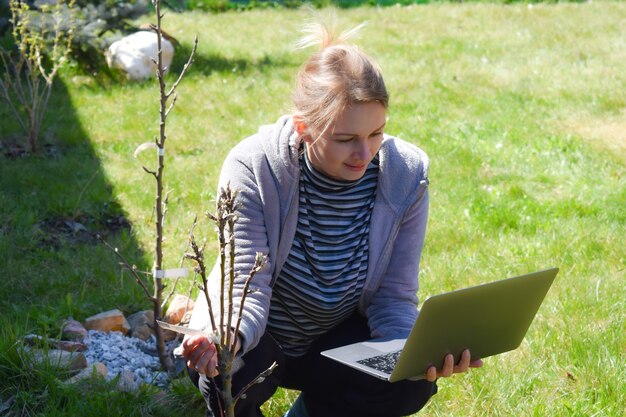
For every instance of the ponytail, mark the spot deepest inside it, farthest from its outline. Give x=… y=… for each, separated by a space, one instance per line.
x=338 y=75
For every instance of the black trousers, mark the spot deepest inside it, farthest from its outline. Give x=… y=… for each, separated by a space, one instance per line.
x=330 y=389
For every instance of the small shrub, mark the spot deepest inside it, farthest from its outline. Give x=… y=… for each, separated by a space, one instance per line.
x=28 y=75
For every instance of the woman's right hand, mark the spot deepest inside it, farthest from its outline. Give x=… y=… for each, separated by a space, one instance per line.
x=201 y=355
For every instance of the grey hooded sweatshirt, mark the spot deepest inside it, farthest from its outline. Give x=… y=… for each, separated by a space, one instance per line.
x=264 y=170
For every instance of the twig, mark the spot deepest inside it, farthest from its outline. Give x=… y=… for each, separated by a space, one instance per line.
x=222 y=243
x=169 y=109
x=180 y=264
x=185 y=67
x=149 y=171
x=10 y=65
x=198 y=256
x=259 y=263
x=231 y=282
x=128 y=266
x=259 y=379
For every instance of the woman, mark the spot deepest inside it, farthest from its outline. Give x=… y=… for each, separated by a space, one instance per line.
x=341 y=210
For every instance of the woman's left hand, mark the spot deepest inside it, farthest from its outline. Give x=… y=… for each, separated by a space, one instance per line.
x=449 y=368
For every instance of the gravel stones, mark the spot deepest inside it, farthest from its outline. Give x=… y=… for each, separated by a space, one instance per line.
x=124 y=356
x=105 y=350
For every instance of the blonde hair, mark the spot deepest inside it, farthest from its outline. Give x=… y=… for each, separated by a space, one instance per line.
x=338 y=75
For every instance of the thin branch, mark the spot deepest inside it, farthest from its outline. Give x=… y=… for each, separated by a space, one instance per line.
x=198 y=256
x=171 y=106
x=128 y=266
x=259 y=379
x=222 y=244
x=259 y=263
x=231 y=283
x=21 y=94
x=7 y=82
x=149 y=171
x=185 y=67
x=41 y=69
x=14 y=85
x=164 y=204
x=44 y=98
x=180 y=265
x=166 y=198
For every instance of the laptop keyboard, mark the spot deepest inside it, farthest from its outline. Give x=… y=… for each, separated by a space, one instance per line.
x=384 y=363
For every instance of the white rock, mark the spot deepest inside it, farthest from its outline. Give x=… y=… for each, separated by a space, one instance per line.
x=134 y=54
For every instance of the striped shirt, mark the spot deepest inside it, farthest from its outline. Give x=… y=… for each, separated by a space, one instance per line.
x=323 y=276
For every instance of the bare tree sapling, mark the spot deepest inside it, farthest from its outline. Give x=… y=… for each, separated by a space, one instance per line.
x=167 y=99
x=223 y=330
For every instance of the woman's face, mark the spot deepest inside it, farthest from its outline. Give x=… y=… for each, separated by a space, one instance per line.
x=350 y=143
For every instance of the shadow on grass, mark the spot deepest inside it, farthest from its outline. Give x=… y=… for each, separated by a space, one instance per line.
x=218 y=6
x=207 y=64
x=347 y=4
x=51 y=206
x=53 y=268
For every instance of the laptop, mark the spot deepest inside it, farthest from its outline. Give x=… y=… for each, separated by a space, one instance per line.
x=487 y=319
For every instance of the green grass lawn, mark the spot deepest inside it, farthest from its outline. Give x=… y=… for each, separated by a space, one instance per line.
x=521 y=109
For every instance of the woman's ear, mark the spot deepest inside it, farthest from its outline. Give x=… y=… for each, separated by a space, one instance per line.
x=299 y=125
